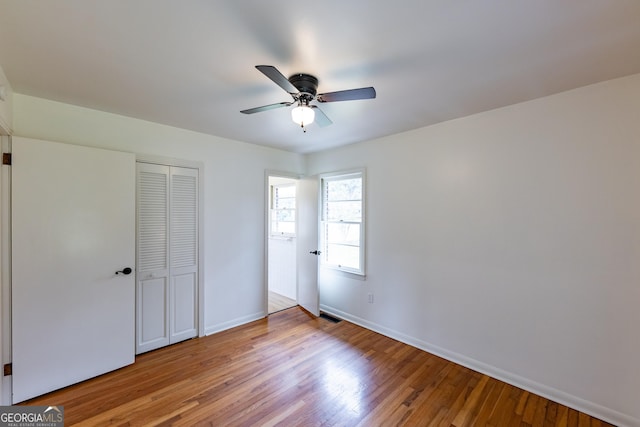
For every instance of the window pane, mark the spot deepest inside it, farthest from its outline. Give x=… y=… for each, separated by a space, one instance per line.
x=283 y=228
x=343 y=256
x=346 y=234
x=345 y=211
x=286 y=191
x=344 y=189
x=343 y=220
x=285 y=215
x=288 y=203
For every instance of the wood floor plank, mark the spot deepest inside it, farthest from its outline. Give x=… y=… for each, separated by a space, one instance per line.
x=471 y=403
x=522 y=403
x=562 y=418
x=490 y=404
x=292 y=369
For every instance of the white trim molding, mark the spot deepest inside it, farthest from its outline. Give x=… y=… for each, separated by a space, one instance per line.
x=213 y=329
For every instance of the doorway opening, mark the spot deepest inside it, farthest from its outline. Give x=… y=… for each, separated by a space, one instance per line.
x=281 y=243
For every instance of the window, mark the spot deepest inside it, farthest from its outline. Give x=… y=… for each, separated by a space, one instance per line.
x=283 y=210
x=342 y=228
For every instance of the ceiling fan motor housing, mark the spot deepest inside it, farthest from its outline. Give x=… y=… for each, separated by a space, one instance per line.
x=306 y=84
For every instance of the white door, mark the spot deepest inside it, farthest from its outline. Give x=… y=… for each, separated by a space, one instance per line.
x=152 y=289
x=73 y=227
x=183 y=249
x=167 y=279
x=307 y=245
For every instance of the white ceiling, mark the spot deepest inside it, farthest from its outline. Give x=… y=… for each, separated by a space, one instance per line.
x=190 y=63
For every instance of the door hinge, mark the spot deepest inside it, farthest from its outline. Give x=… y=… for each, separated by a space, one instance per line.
x=6 y=158
x=8 y=369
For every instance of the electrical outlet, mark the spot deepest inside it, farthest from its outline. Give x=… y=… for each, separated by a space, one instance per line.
x=370 y=296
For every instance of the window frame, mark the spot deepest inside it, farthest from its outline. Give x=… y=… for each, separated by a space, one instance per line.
x=273 y=211
x=324 y=221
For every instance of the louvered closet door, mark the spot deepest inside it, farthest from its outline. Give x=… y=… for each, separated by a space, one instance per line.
x=167 y=291
x=184 y=255
x=152 y=293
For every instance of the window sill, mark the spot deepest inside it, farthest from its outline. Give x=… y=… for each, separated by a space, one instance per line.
x=281 y=237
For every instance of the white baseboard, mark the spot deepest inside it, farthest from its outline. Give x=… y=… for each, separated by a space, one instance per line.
x=591 y=408
x=212 y=329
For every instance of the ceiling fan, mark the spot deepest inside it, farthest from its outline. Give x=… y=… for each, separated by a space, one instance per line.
x=303 y=89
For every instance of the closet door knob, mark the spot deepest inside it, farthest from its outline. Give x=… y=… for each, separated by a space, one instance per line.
x=125 y=271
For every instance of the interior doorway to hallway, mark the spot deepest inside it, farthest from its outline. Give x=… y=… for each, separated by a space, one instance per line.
x=281 y=243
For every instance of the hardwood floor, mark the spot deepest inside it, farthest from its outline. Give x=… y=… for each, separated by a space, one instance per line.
x=291 y=369
x=279 y=302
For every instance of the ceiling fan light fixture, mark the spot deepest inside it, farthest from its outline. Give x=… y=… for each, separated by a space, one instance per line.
x=303 y=115
x=303 y=89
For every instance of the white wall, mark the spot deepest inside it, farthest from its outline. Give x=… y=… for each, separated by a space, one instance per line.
x=509 y=241
x=234 y=199
x=282 y=266
x=6 y=105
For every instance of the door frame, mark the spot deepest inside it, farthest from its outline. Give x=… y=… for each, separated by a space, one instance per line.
x=170 y=161
x=6 y=382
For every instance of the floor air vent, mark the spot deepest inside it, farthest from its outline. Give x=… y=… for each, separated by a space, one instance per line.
x=330 y=318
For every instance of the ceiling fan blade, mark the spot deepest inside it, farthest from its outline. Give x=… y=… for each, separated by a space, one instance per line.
x=266 y=107
x=321 y=118
x=277 y=77
x=347 y=95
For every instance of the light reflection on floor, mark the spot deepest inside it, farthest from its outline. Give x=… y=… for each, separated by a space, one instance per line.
x=343 y=386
